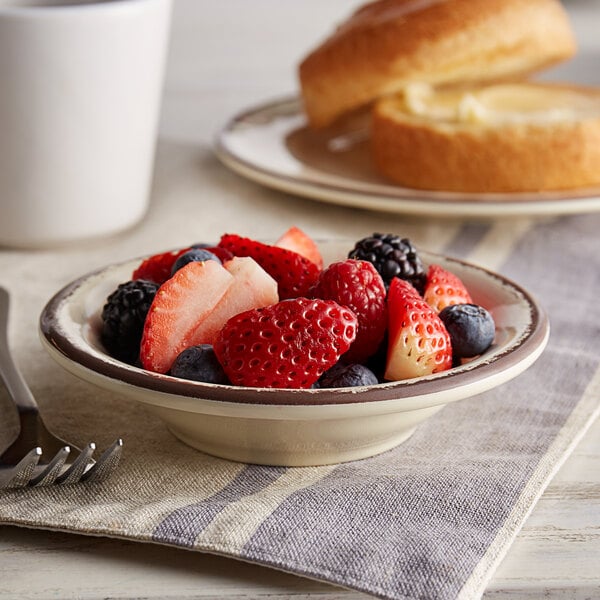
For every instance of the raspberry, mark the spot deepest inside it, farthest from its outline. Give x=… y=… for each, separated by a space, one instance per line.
x=392 y=256
x=286 y=345
x=357 y=285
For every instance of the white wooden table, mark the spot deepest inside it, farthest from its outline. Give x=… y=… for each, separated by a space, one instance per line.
x=225 y=57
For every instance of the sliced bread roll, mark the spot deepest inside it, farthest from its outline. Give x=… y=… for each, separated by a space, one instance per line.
x=389 y=44
x=496 y=138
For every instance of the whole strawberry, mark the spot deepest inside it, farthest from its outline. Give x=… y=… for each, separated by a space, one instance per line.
x=286 y=345
x=294 y=274
x=357 y=285
x=419 y=343
x=444 y=288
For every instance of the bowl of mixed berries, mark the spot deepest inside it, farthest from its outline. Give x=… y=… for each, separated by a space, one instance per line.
x=294 y=352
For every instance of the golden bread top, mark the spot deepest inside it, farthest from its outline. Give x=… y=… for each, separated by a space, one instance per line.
x=378 y=13
x=389 y=44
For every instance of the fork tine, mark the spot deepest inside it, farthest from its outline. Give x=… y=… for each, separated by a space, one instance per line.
x=21 y=473
x=27 y=471
x=52 y=471
x=78 y=467
x=106 y=464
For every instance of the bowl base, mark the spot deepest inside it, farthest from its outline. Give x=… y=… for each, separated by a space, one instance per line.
x=300 y=457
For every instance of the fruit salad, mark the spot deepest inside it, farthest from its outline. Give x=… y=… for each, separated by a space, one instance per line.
x=246 y=313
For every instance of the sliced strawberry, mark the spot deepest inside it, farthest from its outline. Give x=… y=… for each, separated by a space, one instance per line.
x=418 y=341
x=158 y=267
x=294 y=273
x=296 y=240
x=252 y=287
x=286 y=345
x=357 y=285
x=444 y=288
x=181 y=304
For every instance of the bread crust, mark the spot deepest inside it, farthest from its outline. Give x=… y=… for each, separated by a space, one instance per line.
x=388 y=44
x=506 y=157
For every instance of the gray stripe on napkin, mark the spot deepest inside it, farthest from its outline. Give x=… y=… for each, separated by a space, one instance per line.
x=466 y=238
x=414 y=522
x=183 y=525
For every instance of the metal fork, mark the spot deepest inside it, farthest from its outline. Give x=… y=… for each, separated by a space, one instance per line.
x=37 y=457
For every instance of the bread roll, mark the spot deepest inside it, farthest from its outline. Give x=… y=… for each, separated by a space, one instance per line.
x=389 y=44
x=497 y=138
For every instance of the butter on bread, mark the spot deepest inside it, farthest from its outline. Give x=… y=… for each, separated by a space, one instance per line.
x=389 y=44
x=498 y=138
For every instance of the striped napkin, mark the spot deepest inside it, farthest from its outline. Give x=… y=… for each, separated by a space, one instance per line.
x=430 y=519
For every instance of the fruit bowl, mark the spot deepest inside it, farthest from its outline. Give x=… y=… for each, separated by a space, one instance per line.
x=295 y=427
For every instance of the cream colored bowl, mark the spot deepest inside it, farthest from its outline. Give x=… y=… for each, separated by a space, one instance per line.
x=295 y=427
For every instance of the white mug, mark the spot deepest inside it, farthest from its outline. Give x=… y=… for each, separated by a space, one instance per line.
x=80 y=94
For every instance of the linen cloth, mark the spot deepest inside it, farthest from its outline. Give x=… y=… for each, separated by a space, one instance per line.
x=430 y=519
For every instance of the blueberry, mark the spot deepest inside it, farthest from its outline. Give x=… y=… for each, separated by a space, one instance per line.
x=471 y=328
x=199 y=363
x=193 y=255
x=341 y=375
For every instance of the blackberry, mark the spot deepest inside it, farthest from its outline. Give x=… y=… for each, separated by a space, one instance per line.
x=123 y=318
x=392 y=256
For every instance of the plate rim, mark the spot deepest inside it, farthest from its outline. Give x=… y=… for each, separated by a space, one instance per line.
x=404 y=200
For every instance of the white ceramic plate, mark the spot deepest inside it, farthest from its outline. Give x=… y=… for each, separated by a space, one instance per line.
x=294 y=427
x=270 y=144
